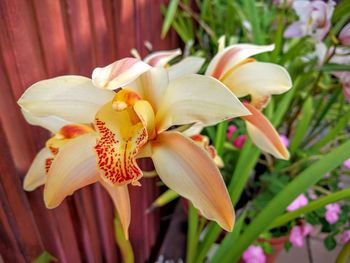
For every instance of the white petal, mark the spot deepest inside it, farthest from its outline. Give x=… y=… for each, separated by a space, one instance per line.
x=121 y=200
x=258 y=79
x=71 y=98
x=119 y=73
x=264 y=135
x=73 y=168
x=197 y=99
x=51 y=123
x=36 y=175
x=231 y=56
x=187 y=169
x=161 y=58
x=188 y=65
x=151 y=85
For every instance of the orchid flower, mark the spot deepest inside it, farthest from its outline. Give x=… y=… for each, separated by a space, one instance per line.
x=246 y=76
x=314 y=19
x=344 y=35
x=134 y=109
x=187 y=65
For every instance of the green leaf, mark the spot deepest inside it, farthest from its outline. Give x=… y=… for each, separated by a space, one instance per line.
x=343 y=8
x=45 y=257
x=330 y=242
x=277 y=206
x=303 y=125
x=231 y=238
x=169 y=16
x=335 y=67
x=310 y=207
x=221 y=136
x=344 y=254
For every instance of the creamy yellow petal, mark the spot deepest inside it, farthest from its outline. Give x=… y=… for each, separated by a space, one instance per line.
x=161 y=58
x=188 y=65
x=197 y=99
x=36 y=175
x=146 y=114
x=51 y=123
x=187 y=169
x=151 y=86
x=258 y=79
x=119 y=73
x=121 y=200
x=71 y=98
x=121 y=136
x=73 y=168
x=264 y=135
x=231 y=56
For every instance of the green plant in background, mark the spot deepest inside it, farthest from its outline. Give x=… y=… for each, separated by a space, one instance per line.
x=313 y=117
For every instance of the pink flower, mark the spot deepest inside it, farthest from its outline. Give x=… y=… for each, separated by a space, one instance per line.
x=254 y=254
x=239 y=141
x=344 y=237
x=298 y=233
x=284 y=140
x=300 y=201
x=314 y=19
x=344 y=35
x=332 y=213
x=346 y=164
x=296 y=236
x=230 y=130
x=312 y=194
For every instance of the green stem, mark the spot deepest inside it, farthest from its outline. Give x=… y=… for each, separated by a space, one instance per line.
x=123 y=244
x=192 y=233
x=221 y=136
x=344 y=254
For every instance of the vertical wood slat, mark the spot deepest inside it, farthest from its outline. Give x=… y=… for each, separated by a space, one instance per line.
x=41 y=39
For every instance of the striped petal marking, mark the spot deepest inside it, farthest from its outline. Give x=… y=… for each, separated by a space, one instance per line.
x=121 y=136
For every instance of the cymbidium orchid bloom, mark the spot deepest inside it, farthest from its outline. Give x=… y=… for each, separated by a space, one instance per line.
x=134 y=109
x=243 y=75
x=314 y=19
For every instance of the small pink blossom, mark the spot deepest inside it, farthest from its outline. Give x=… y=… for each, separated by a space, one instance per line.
x=300 y=201
x=254 y=254
x=344 y=35
x=312 y=194
x=298 y=233
x=332 y=213
x=283 y=3
x=346 y=164
x=231 y=130
x=314 y=19
x=296 y=236
x=284 y=140
x=239 y=141
x=344 y=237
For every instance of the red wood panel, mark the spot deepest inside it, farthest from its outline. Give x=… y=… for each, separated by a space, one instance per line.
x=41 y=39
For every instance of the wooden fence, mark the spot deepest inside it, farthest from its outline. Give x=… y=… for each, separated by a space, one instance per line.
x=40 y=39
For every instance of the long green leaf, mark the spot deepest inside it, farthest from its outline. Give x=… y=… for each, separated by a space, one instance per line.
x=344 y=254
x=335 y=67
x=45 y=257
x=169 y=16
x=332 y=133
x=312 y=206
x=278 y=204
x=230 y=239
x=303 y=124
